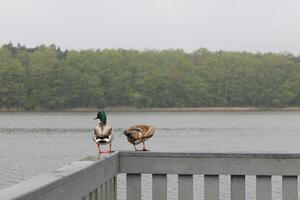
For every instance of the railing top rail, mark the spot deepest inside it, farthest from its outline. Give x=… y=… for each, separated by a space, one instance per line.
x=272 y=155
x=210 y=163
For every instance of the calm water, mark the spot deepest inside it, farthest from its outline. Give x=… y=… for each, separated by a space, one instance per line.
x=35 y=143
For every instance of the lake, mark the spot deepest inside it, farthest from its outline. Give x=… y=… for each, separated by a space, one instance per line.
x=35 y=143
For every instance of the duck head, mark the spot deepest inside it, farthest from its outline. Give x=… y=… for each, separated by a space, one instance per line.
x=127 y=134
x=102 y=117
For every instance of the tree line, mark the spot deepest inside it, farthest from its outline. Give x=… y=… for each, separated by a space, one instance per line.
x=48 y=78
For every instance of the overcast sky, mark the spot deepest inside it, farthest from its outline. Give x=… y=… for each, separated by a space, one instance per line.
x=238 y=25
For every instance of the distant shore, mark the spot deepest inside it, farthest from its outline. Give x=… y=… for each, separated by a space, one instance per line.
x=193 y=109
x=185 y=109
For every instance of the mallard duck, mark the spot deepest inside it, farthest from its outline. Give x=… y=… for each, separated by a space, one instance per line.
x=139 y=134
x=103 y=133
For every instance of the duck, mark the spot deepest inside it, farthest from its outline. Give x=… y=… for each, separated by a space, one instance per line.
x=103 y=133
x=139 y=134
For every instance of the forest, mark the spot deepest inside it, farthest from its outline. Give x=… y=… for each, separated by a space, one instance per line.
x=48 y=78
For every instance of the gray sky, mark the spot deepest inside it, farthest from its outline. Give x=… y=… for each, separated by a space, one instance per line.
x=242 y=25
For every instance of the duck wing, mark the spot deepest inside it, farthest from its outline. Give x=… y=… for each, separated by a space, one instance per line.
x=147 y=131
x=103 y=131
x=140 y=131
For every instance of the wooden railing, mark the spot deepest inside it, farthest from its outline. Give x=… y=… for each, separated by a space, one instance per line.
x=81 y=180
x=93 y=180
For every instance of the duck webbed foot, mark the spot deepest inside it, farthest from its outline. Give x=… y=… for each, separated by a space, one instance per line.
x=110 y=149
x=144 y=147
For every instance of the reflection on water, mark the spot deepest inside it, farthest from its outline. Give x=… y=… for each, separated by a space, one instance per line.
x=34 y=143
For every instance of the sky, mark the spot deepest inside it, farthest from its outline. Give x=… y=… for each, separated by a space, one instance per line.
x=229 y=25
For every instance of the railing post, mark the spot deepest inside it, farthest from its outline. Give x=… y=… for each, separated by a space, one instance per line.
x=133 y=185
x=185 y=187
x=159 y=187
x=238 y=187
x=211 y=187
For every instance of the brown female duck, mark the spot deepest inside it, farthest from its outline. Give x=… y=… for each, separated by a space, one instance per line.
x=139 y=134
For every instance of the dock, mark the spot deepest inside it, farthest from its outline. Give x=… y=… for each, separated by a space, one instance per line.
x=93 y=179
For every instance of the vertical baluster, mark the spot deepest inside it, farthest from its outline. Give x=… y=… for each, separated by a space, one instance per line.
x=111 y=189
x=185 y=187
x=289 y=188
x=93 y=195
x=211 y=187
x=238 y=187
x=159 y=187
x=99 y=193
x=107 y=190
x=96 y=193
x=103 y=192
x=133 y=185
x=115 y=188
x=263 y=188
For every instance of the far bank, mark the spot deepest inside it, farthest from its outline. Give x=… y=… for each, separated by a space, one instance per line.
x=174 y=109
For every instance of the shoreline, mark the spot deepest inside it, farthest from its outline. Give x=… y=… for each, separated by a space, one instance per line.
x=174 y=109
x=188 y=109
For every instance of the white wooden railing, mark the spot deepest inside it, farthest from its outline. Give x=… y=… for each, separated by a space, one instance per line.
x=81 y=180
x=94 y=180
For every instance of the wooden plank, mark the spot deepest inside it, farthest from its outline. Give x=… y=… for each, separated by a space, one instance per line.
x=289 y=188
x=159 y=187
x=263 y=188
x=238 y=187
x=185 y=187
x=133 y=187
x=213 y=163
x=211 y=187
